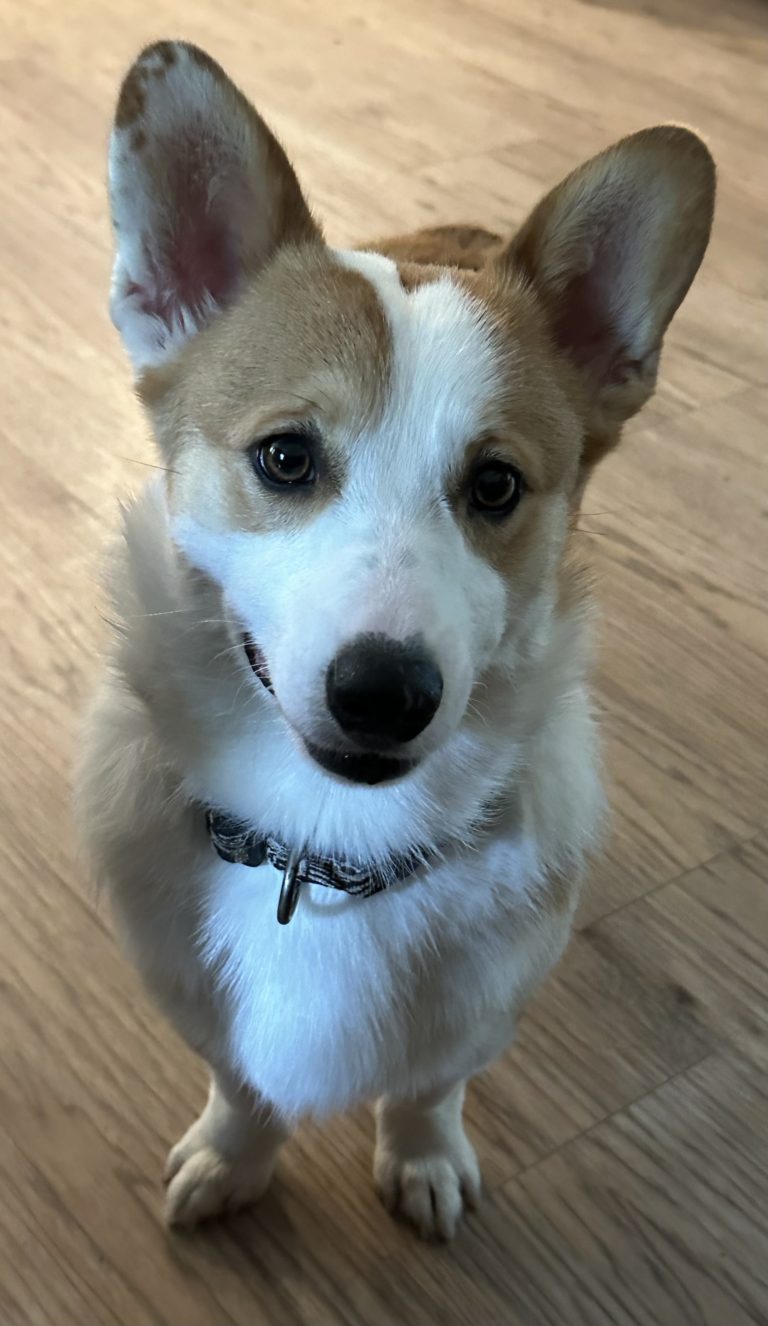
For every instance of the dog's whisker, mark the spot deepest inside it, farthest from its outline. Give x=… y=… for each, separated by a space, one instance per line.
x=228 y=651
x=148 y=464
x=200 y=623
x=236 y=698
x=165 y=612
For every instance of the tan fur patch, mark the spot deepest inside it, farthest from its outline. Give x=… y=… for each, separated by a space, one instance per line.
x=413 y=274
x=540 y=446
x=518 y=545
x=308 y=341
x=465 y=247
x=539 y=411
x=539 y=427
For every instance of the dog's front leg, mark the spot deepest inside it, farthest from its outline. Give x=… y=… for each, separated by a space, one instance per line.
x=425 y=1167
x=225 y=1160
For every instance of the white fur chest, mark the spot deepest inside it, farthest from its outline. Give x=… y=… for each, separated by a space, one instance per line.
x=397 y=993
x=360 y=996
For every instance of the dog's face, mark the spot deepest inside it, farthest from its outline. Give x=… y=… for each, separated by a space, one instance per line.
x=377 y=462
x=378 y=475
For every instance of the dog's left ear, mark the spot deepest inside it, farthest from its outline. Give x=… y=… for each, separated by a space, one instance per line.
x=612 y=251
x=202 y=196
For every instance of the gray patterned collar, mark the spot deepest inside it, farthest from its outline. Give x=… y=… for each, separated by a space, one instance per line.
x=238 y=843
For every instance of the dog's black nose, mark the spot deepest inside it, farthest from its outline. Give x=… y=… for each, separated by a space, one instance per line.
x=383 y=691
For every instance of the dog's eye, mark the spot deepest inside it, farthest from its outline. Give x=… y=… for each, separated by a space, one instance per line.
x=285 y=459
x=496 y=488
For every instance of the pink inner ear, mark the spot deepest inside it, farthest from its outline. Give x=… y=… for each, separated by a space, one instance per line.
x=196 y=261
x=583 y=327
x=589 y=313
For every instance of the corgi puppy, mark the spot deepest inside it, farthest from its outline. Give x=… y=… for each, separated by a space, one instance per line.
x=340 y=778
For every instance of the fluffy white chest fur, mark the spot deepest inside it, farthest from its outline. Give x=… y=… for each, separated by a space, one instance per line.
x=357 y=998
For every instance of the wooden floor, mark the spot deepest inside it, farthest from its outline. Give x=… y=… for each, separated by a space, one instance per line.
x=625 y=1138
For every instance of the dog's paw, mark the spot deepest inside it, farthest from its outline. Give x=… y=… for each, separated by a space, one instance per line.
x=202 y=1183
x=431 y=1191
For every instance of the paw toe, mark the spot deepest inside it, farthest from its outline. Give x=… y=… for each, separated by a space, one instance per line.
x=204 y=1184
x=431 y=1192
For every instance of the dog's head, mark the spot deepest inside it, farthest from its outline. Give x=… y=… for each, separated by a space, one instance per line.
x=377 y=462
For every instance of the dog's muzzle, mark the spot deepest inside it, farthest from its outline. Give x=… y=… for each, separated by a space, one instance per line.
x=382 y=694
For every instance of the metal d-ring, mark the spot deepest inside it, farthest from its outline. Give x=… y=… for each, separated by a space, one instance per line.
x=289 y=890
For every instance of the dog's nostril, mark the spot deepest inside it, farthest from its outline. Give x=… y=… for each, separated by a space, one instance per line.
x=383 y=690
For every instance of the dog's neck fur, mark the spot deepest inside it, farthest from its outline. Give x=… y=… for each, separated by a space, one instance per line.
x=229 y=745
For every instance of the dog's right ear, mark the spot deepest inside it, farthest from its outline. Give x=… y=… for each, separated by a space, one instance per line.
x=612 y=251
x=201 y=193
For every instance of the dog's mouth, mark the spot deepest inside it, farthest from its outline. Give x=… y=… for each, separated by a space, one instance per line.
x=359 y=767
x=258 y=662
x=366 y=767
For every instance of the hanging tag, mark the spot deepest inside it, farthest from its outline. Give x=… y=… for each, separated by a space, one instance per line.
x=289 y=891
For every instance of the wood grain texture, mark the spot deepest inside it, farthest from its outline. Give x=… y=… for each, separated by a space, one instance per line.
x=624 y=1137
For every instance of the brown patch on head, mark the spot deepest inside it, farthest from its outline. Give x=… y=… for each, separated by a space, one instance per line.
x=138 y=140
x=466 y=247
x=539 y=412
x=308 y=342
x=413 y=275
x=524 y=545
x=538 y=427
